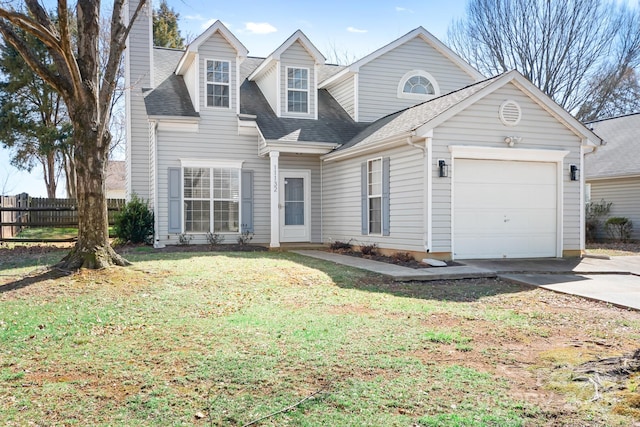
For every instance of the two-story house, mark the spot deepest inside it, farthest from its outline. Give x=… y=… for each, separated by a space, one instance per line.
x=409 y=148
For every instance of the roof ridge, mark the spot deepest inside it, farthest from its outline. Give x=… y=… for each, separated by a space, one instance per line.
x=613 y=118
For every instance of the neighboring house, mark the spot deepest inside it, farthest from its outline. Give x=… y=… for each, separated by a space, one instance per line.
x=613 y=172
x=409 y=148
x=116 y=179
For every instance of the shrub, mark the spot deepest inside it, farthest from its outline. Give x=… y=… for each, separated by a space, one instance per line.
x=245 y=237
x=184 y=239
x=403 y=257
x=134 y=223
x=214 y=239
x=340 y=246
x=369 y=250
x=619 y=228
x=594 y=212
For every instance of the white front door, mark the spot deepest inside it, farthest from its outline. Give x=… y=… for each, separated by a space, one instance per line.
x=295 y=214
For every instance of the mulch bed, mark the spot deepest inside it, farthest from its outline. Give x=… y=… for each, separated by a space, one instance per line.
x=401 y=261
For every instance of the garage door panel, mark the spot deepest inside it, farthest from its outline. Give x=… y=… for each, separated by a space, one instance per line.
x=504 y=209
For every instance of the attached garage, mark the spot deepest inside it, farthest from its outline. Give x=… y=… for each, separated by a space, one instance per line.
x=505 y=209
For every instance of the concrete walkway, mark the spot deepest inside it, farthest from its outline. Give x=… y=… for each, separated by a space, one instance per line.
x=615 y=280
x=399 y=273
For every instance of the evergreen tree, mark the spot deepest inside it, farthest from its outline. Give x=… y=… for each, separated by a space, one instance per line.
x=165 y=27
x=33 y=119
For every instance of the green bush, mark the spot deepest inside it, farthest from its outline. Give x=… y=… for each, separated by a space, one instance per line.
x=134 y=223
x=594 y=212
x=619 y=228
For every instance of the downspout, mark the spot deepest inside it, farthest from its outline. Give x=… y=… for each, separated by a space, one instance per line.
x=426 y=153
x=156 y=220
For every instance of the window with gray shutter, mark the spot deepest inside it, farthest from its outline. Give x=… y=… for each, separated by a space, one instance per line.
x=247 y=200
x=175 y=208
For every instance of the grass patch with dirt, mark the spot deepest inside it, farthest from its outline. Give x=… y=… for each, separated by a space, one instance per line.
x=226 y=338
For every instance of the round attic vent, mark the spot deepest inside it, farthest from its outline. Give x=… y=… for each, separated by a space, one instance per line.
x=510 y=112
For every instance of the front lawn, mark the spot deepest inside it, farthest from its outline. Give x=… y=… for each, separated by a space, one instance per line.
x=223 y=339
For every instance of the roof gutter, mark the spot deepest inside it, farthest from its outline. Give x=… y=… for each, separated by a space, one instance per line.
x=369 y=147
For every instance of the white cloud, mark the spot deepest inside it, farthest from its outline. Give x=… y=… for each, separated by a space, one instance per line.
x=403 y=9
x=356 y=30
x=259 y=28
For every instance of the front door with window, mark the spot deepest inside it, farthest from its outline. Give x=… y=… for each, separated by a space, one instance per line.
x=295 y=218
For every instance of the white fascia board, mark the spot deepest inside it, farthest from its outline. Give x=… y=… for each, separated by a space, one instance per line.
x=371 y=147
x=555 y=110
x=450 y=54
x=317 y=56
x=528 y=89
x=176 y=124
x=424 y=35
x=337 y=77
x=264 y=66
x=207 y=163
x=300 y=148
x=219 y=27
x=516 y=154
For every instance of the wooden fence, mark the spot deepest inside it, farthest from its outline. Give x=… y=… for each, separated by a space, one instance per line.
x=18 y=212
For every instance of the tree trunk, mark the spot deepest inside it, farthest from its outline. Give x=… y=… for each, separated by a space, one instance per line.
x=92 y=250
x=49 y=165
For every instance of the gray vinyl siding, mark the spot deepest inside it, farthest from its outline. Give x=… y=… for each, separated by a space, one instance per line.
x=341 y=203
x=378 y=80
x=311 y=163
x=624 y=193
x=297 y=56
x=343 y=92
x=268 y=86
x=479 y=125
x=138 y=59
x=218 y=49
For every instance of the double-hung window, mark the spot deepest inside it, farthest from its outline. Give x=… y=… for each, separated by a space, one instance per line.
x=297 y=90
x=374 y=195
x=211 y=200
x=218 y=83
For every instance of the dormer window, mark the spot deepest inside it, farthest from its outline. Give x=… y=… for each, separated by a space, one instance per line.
x=418 y=84
x=218 y=86
x=297 y=90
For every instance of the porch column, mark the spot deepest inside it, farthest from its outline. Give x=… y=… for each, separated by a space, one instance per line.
x=275 y=200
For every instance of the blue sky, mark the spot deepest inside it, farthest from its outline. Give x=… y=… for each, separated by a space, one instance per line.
x=350 y=28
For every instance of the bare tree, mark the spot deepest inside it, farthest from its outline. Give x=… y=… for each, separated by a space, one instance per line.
x=565 y=47
x=6 y=186
x=87 y=87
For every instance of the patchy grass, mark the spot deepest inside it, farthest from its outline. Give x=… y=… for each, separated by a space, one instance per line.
x=48 y=233
x=226 y=338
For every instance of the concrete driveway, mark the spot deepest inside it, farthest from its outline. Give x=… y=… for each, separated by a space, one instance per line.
x=615 y=280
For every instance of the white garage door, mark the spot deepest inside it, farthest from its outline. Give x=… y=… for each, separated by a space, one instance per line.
x=504 y=209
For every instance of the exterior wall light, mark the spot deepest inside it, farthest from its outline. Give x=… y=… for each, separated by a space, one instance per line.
x=443 y=169
x=574 y=173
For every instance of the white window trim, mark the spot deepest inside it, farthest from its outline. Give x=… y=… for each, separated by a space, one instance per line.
x=199 y=163
x=287 y=89
x=369 y=197
x=206 y=83
x=402 y=94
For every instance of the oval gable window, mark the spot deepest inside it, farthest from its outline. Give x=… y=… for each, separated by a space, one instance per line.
x=418 y=84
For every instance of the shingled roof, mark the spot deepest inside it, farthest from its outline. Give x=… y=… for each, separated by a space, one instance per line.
x=619 y=157
x=170 y=96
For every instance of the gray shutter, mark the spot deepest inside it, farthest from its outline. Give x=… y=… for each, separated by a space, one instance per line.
x=247 y=201
x=386 y=204
x=175 y=211
x=363 y=197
